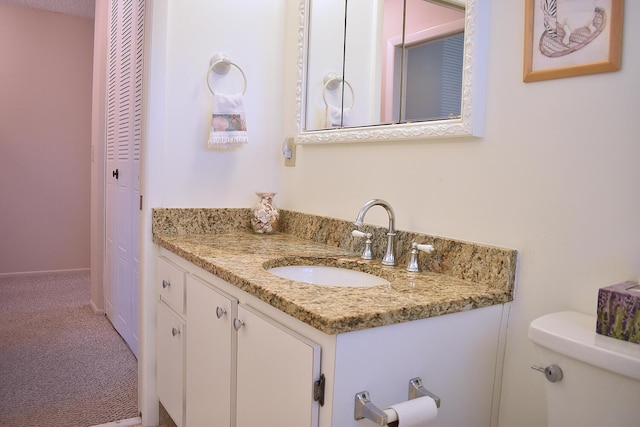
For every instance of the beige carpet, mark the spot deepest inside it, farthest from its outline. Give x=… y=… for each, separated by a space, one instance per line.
x=60 y=365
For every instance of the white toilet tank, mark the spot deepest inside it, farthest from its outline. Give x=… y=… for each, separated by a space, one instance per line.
x=600 y=385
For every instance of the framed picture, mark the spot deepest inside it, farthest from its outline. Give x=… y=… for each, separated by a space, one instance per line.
x=565 y=38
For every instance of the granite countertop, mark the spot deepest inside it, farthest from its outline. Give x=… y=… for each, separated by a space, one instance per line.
x=242 y=257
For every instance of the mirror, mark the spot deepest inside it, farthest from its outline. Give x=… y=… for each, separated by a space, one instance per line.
x=362 y=69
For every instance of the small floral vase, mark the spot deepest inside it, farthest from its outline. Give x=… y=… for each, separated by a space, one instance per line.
x=265 y=214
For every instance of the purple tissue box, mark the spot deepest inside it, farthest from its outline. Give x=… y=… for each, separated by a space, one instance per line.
x=619 y=311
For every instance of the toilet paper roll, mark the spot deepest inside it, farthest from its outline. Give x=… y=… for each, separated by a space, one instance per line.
x=416 y=412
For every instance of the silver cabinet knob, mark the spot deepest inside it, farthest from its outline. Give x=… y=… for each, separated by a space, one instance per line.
x=237 y=324
x=553 y=373
x=220 y=312
x=175 y=331
x=165 y=284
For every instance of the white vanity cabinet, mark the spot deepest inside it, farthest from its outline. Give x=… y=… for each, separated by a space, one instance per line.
x=170 y=338
x=252 y=365
x=244 y=369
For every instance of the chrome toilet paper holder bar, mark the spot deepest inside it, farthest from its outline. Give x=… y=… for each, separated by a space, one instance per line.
x=364 y=408
x=416 y=389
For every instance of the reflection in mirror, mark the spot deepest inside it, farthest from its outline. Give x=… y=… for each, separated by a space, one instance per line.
x=436 y=93
x=324 y=63
x=380 y=88
x=367 y=26
x=429 y=73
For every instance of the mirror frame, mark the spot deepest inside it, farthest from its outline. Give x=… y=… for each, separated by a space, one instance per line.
x=471 y=121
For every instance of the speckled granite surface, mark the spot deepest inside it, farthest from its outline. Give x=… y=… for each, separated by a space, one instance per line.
x=457 y=276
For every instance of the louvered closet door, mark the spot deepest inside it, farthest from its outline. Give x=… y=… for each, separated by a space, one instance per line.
x=124 y=104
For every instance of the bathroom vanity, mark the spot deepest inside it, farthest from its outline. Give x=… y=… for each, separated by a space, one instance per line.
x=238 y=346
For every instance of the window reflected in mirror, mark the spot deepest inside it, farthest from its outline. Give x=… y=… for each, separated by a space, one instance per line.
x=433 y=80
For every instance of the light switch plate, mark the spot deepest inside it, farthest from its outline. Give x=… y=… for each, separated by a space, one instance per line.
x=292 y=146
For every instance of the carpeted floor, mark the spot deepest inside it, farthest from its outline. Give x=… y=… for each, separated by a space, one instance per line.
x=60 y=365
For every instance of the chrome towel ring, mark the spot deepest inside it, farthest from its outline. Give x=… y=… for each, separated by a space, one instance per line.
x=221 y=64
x=331 y=82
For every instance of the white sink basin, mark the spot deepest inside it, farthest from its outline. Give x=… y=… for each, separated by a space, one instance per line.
x=328 y=276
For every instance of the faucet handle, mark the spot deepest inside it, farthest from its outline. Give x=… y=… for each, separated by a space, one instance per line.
x=366 y=254
x=423 y=247
x=413 y=265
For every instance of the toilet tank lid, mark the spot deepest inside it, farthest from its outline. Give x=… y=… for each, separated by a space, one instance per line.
x=574 y=335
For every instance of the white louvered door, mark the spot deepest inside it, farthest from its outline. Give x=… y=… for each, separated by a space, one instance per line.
x=123 y=140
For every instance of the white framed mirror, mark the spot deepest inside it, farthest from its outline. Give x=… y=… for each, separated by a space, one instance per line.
x=355 y=90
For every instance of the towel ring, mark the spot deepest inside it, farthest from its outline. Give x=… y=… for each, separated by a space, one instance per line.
x=331 y=82
x=221 y=64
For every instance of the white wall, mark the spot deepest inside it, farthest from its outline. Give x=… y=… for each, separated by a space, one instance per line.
x=555 y=176
x=251 y=34
x=178 y=170
x=98 y=137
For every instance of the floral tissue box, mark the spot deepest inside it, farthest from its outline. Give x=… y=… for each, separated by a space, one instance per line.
x=619 y=311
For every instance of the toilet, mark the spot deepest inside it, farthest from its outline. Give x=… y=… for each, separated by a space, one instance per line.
x=600 y=384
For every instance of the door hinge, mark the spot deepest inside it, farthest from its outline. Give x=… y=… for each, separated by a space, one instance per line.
x=318 y=390
x=141 y=202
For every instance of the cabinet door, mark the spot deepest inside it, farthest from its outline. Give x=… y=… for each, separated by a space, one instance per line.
x=276 y=371
x=210 y=355
x=170 y=361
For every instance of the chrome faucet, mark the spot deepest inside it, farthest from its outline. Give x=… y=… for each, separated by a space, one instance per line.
x=389 y=257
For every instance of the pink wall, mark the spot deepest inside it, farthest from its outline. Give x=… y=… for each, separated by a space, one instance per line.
x=45 y=140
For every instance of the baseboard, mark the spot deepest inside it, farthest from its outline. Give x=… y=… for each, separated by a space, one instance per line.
x=39 y=273
x=95 y=309
x=122 y=423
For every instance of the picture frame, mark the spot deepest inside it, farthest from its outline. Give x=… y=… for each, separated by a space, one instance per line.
x=566 y=38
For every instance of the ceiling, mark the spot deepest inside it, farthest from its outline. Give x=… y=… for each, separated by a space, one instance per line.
x=83 y=8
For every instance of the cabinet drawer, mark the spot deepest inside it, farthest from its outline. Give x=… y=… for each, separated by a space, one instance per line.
x=170 y=281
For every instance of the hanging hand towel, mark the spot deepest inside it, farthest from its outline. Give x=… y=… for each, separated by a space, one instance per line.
x=336 y=117
x=228 y=127
x=333 y=117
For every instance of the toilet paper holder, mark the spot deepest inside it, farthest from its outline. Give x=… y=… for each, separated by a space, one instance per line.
x=364 y=408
